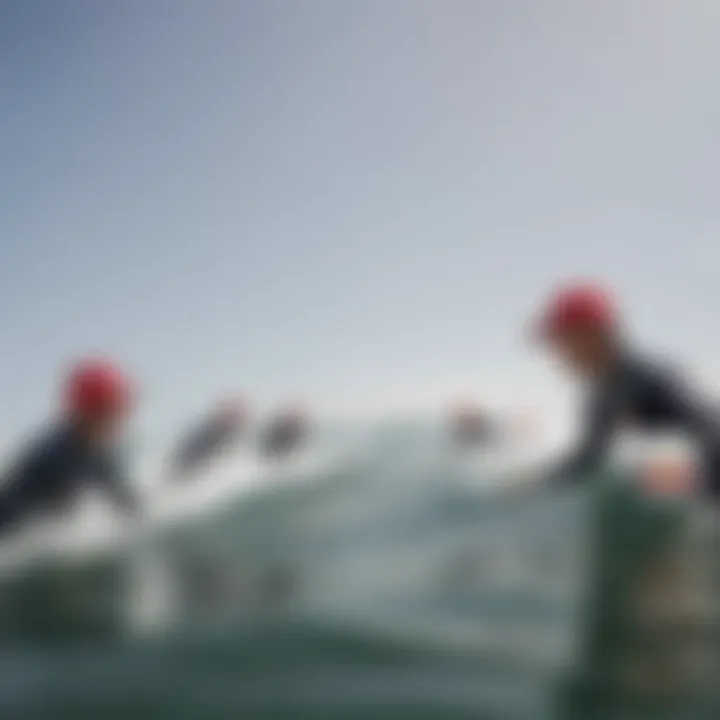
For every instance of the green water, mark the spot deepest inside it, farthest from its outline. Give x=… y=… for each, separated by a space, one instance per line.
x=369 y=600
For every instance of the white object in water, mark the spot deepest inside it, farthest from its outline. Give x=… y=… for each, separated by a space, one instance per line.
x=95 y=529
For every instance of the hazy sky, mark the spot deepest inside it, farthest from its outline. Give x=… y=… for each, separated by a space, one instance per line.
x=351 y=202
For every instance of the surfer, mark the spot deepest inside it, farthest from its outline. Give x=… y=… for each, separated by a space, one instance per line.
x=81 y=446
x=581 y=326
x=215 y=433
x=472 y=427
x=285 y=434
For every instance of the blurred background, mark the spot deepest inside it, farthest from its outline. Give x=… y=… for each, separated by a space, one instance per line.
x=345 y=213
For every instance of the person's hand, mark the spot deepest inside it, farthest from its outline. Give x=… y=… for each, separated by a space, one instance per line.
x=669 y=476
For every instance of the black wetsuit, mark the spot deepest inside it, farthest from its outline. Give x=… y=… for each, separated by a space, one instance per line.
x=646 y=396
x=201 y=443
x=50 y=474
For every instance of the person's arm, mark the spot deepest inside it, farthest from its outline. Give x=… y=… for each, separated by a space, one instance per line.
x=702 y=421
x=594 y=443
x=111 y=477
x=22 y=483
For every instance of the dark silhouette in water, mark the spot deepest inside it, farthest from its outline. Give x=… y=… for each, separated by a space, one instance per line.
x=285 y=435
x=222 y=429
x=473 y=428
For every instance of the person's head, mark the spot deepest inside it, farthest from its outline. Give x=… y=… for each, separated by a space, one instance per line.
x=465 y=414
x=232 y=412
x=97 y=399
x=293 y=415
x=580 y=326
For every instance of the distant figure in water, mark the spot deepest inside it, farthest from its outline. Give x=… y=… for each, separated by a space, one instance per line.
x=81 y=447
x=284 y=435
x=214 y=434
x=472 y=427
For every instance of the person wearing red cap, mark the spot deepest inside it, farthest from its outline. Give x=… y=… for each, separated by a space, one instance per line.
x=581 y=326
x=212 y=435
x=80 y=447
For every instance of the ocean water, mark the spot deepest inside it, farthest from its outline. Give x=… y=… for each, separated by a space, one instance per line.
x=384 y=575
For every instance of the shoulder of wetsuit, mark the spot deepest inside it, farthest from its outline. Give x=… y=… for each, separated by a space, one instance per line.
x=643 y=370
x=670 y=381
x=35 y=454
x=48 y=443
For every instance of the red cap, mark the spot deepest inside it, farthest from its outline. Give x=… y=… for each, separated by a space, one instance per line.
x=96 y=387
x=577 y=306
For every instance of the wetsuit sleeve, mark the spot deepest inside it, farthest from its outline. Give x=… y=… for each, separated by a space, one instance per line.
x=110 y=476
x=594 y=443
x=702 y=422
x=18 y=487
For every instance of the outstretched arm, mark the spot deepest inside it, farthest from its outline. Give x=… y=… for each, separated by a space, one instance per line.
x=19 y=489
x=113 y=480
x=585 y=458
x=593 y=446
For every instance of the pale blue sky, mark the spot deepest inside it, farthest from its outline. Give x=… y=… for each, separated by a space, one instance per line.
x=352 y=202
